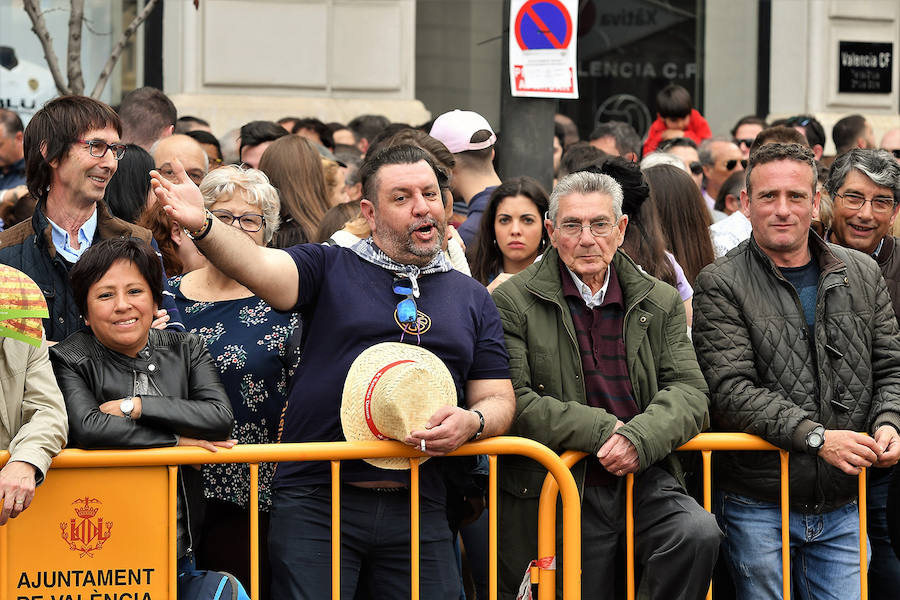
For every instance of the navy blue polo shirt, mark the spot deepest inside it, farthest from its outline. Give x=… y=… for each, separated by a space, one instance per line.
x=348 y=305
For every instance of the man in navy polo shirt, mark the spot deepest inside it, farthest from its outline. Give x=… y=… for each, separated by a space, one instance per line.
x=348 y=300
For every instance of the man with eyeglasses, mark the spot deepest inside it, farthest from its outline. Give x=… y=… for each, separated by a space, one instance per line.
x=865 y=188
x=720 y=158
x=602 y=363
x=187 y=150
x=72 y=147
x=394 y=286
x=799 y=343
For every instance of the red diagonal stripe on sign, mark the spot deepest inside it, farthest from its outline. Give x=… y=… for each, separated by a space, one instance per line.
x=543 y=28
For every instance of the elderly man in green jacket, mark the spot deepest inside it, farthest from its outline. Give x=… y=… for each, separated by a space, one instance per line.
x=602 y=363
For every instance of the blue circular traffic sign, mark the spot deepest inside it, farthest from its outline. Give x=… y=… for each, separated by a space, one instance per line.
x=543 y=25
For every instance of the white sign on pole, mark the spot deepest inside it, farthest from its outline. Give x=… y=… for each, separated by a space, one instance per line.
x=542 y=36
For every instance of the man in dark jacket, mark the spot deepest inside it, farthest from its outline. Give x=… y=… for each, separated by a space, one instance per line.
x=865 y=187
x=601 y=363
x=72 y=150
x=799 y=344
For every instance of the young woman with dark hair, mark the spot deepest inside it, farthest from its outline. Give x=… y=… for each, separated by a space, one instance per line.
x=683 y=217
x=128 y=190
x=294 y=167
x=512 y=231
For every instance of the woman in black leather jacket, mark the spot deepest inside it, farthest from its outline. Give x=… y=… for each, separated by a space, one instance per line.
x=127 y=385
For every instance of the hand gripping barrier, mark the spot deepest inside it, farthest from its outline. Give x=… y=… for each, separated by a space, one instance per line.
x=335 y=452
x=706 y=443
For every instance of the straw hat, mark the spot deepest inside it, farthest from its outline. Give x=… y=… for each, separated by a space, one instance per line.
x=392 y=389
x=22 y=306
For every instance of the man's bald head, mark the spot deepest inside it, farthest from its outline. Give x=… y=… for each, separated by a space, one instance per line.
x=185 y=149
x=891 y=142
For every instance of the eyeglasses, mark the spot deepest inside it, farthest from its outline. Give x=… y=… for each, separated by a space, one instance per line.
x=696 y=168
x=741 y=142
x=407 y=311
x=597 y=228
x=98 y=148
x=880 y=204
x=895 y=152
x=731 y=164
x=250 y=222
x=798 y=121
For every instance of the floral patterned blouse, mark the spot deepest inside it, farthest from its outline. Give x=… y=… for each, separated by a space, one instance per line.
x=256 y=349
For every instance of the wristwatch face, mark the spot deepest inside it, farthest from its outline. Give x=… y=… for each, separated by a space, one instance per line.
x=815 y=439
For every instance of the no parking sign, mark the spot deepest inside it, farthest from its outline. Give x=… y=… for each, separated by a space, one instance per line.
x=542 y=48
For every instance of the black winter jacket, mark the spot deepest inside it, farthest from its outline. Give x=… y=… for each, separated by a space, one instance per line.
x=767 y=379
x=189 y=398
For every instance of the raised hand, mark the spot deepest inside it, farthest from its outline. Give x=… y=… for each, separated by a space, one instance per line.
x=181 y=198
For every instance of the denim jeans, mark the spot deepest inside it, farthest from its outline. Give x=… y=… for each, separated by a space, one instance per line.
x=824 y=549
x=375 y=545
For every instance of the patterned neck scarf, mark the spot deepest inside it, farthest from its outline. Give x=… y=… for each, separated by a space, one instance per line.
x=368 y=251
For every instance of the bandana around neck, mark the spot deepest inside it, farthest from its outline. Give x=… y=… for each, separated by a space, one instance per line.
x=368 y=251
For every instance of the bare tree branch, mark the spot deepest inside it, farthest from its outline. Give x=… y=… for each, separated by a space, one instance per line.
x=120 y=46
x=39 y=27
x=73 y=59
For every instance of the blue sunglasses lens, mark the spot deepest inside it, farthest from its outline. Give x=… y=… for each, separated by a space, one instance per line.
x=406 y=311
x=403 y=289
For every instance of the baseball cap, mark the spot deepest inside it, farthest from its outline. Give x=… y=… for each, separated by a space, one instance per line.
x=456 y=128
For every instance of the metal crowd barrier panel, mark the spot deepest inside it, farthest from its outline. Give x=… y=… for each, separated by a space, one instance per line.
x=334 y=452
x=705 y=443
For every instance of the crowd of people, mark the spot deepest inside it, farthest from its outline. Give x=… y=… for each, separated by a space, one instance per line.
x=306 y=281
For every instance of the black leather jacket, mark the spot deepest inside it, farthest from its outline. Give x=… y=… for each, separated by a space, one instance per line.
x=189 y=398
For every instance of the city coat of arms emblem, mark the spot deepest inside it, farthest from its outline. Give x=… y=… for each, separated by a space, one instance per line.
x=88 y=532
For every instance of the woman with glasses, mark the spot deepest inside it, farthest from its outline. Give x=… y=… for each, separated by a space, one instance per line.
x=254 y=347
x=512 y=231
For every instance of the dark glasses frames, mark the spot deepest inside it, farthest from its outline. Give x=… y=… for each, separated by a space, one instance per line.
x=98 y=148
x=731 y=164
x=696 y=168
x=740 y=142
x=895 y=152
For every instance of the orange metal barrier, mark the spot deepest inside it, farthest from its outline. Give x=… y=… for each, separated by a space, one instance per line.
x=706 y=443
x=336 y=452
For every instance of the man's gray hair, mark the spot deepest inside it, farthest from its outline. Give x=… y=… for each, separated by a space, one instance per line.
x=656 y=159
x=878 y=165
x=627 y=139
x=705 y=150
x=774 y=152
x=585 y=182
x=231 y=179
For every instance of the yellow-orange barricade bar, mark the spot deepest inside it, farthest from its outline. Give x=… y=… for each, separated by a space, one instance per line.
x=705 y=443
x=334 y=452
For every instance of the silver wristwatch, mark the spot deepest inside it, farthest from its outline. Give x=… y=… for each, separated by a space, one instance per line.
x=127 y=407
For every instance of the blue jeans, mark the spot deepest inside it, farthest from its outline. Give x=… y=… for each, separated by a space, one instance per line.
x=375 y=545
x=824 y=549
